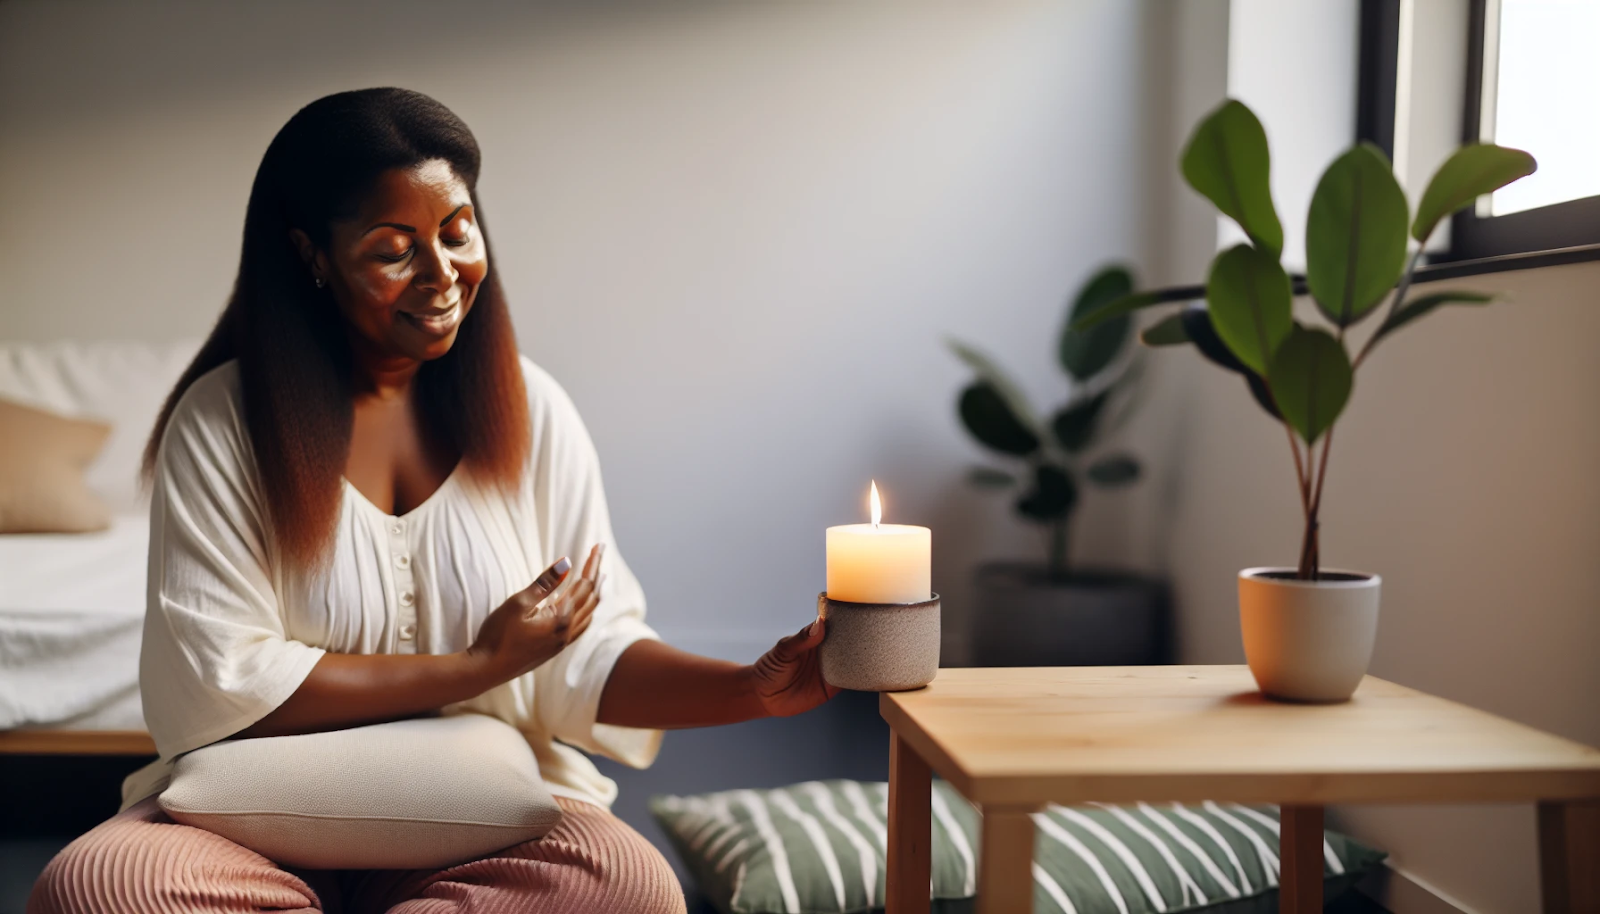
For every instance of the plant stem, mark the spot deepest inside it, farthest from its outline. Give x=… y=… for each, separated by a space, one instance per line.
x=1308 y=552
x=1322 y=471
x=1310 y=546
x=1394 y=303
x=1058 y=548
x=1299 y=471
x=1307 y=567
x=1299 y=463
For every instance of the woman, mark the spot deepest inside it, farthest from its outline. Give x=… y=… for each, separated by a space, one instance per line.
x=354 y=484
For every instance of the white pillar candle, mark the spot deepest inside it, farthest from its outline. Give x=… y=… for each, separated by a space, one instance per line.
x=879 y=563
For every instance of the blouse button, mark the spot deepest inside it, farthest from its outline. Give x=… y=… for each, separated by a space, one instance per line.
x=397 y=527
x=407 y=632
x=407 y=598
x=402 y=561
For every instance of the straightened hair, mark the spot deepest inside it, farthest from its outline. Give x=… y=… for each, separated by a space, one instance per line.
x=290 y=341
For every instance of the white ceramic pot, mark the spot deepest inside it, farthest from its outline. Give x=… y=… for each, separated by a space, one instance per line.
x=1308 y=640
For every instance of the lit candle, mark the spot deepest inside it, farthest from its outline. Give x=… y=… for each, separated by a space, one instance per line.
x=878 y=562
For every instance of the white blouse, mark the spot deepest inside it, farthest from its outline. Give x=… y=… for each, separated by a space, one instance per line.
x=230 y=632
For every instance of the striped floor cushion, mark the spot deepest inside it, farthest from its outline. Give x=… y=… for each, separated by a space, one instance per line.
x=819 y=846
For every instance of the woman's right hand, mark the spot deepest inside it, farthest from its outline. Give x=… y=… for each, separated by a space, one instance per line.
x=517 y=637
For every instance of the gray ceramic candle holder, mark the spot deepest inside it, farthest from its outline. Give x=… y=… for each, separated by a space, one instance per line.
x=880 y=647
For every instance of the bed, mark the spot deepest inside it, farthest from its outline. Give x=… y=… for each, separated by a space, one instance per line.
x=72 y=605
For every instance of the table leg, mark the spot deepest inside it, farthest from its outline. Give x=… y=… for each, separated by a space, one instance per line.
x=1569 y=856
x=1300 y=853
x=1005 y=867
x=910 y=830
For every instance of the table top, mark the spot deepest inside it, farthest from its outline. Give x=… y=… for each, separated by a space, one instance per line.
x=1186 y=733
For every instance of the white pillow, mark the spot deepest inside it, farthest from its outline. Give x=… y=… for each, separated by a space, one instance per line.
x=430 y=792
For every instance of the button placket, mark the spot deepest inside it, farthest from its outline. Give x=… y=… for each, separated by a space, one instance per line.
x=405 y=587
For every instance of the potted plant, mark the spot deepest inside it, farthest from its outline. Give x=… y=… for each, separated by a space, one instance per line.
x=1052 y=612
x=1309 y=630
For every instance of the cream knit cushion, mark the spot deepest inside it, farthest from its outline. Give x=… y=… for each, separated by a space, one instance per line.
x=42 y=459
x=430 y=792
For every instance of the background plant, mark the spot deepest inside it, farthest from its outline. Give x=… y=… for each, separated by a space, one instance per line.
x=1356 y=257
x=1054 y=454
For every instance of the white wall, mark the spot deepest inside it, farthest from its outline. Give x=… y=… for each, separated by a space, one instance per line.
x=1294 y=64
x=737 y=232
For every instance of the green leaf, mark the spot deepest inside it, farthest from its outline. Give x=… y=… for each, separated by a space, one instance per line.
x=1074 y=426
x=1084 y=353
x=1468 y=174
x=1198 y=327
x=1052 y=496
x=1310 y=381
x=1166 y=332
x=1263 y=396
x=1421 y=305
x=1127 y=304
x=989 y=418
x=1116 y=470
x=1227 y=161
x=990 y=478
x=1250 y=302
x=1355 y=235
x=991 y=374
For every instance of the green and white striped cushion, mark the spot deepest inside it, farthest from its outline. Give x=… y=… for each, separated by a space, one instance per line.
x=820 y=846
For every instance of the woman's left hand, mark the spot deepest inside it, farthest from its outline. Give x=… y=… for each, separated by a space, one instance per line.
x=788 y=678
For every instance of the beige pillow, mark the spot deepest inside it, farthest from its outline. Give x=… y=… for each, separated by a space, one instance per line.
x=42 y=459
x=430 y=792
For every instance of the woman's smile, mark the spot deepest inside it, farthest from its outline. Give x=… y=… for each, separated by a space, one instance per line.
x=436 y=323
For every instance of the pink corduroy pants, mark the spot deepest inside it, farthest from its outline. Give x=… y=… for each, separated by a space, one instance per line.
x=142 y=862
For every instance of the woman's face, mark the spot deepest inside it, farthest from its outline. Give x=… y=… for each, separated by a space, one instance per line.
x=406 y=269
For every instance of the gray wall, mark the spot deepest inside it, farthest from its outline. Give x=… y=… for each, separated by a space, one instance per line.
x=736 y=232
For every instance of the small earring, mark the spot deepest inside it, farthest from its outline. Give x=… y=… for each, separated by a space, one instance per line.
x=320 y=282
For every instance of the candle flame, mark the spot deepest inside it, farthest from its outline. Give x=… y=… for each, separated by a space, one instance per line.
x=877 y=506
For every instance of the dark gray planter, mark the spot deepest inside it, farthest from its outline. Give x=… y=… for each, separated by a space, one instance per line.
x=1022 y=617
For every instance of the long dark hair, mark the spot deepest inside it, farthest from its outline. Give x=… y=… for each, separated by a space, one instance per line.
x=294 y=354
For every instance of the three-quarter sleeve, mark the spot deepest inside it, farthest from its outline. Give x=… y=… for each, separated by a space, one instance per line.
x=572 y=514
x=215 y=657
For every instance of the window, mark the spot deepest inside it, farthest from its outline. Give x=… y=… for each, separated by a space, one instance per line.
x=1533 y=82
x=1541 y=90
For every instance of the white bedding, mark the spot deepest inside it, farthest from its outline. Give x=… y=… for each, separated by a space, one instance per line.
x=71 y=614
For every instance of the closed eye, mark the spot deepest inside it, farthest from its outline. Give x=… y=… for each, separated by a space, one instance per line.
x=463 y=236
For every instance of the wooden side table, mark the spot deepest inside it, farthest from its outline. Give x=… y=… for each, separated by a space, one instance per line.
x=76 y=742
x=1012 y=740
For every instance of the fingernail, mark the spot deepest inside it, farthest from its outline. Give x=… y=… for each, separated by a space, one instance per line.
x=562 y=565
x=816 y=626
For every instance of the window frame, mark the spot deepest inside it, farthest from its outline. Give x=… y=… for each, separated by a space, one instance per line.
x=1545 y=236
